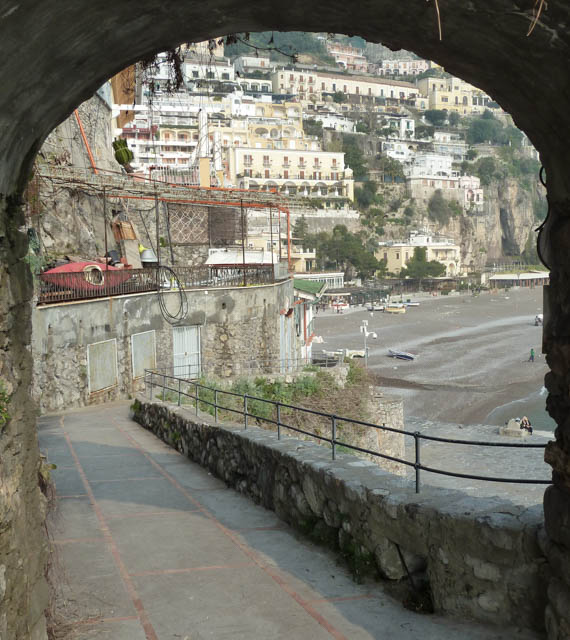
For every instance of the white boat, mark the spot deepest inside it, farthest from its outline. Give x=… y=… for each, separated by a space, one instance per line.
x=412 y=304
x=401 y=355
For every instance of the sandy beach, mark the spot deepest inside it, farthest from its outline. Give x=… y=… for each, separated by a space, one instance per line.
x=470 y=375
x=472 y=351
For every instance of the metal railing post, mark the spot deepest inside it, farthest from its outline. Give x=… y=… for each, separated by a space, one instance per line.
x=216 y=405
x=164 y=387
x=179 y=383
x=151 y=374
x=197 y=398
x=245 y=411
x=417 y=464
x=278 y=421
x=333 y=419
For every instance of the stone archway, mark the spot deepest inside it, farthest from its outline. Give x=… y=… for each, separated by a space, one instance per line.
x=56 y=54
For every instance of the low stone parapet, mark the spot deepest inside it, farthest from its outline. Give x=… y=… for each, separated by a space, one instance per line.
x=480 y=556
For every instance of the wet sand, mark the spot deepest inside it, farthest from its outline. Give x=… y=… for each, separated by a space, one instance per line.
x=472 y=351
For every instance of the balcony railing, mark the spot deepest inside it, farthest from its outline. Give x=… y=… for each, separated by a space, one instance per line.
x=67 y=287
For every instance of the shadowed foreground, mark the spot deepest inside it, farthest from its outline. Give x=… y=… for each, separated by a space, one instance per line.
x=150 y=545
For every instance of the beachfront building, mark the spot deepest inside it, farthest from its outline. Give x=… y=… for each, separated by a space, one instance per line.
x=307 y=295
x=403 y=67
x=444 y=250
x=333 y=279
x=519 y=279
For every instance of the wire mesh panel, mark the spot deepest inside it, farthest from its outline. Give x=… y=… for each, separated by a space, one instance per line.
x=102 y=365
x=225 y=225
x=143 y=349
x=188 y=224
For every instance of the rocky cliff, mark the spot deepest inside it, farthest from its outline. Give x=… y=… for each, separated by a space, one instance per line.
x=503 y=228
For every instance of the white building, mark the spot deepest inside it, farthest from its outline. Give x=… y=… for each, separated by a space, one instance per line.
x=427 y=164
x=247 y=64
x=450 y=144
x=403 y=67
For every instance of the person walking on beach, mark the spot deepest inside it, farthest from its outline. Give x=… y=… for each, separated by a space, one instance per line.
x=531 y=357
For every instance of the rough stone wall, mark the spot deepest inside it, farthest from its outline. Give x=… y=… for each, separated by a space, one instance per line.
x=480 y=556
x=69 y=218
x=388 y=409
x=23 y=543
x=236 y=325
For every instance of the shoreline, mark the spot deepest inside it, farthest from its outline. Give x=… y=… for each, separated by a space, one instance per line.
x=472 y=352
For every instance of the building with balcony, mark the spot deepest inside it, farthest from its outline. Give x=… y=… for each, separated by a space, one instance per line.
x=454 y=94
x=314 y=85
x=248 y=64
x=403 y=67
x=320 y=174
x=347 y=56
x=398 y=254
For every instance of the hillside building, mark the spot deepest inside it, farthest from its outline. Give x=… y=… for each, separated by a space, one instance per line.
x=444 y=250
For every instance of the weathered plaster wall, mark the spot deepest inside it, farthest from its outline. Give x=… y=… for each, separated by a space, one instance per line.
x=480 y=556
x=23 y=545
x=235 y=325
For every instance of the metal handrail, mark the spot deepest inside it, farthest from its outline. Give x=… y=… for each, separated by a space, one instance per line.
x=150 y=381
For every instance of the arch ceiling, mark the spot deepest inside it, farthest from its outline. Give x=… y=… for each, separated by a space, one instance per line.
x=56 y=53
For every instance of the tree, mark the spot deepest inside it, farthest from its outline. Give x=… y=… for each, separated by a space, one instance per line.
x=313 y=127
x=454 y=119
x=339 y=97
x=436 y=117
x=419 y=267
x=424 y=131
x=438 y=208
x=354 y=157
x=485 y=168
x=300 y=231
x=471 y=154
x=362 y=127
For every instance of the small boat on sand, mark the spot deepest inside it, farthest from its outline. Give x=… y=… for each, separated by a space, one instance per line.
x=395 y=307
x=401 y=355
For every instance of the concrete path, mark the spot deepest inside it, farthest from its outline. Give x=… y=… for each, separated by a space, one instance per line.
x=151 y=546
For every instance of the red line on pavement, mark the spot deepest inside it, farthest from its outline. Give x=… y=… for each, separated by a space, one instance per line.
x=335 y=633
x=126 y=479
x=74 y=540
x=367 y=596
x=91 y=621
x=160 y=572
x=144 y=514
x=130 y=587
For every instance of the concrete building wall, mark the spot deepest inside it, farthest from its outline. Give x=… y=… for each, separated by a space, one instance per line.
x=235 y=325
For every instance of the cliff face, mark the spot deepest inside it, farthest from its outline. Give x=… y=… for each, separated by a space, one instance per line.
x=504 y=226
x=68 y=218
x=501 y=229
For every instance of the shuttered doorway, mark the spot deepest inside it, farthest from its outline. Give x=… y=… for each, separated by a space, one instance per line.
x=186 y=347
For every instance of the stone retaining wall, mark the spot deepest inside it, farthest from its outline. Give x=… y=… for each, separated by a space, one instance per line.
x=480 y=556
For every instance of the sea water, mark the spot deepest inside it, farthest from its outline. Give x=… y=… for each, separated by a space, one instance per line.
x=533 y=406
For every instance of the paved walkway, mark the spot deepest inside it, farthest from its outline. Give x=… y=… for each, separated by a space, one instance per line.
x=151 y=546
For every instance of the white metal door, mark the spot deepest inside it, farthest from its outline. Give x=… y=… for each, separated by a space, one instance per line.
x=186 y=347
